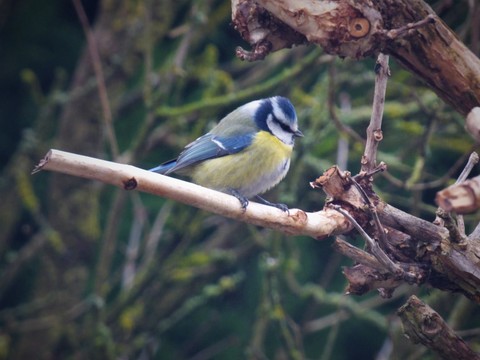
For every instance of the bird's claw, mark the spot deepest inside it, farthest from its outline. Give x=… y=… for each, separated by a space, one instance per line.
x=243 y=200
x=282 y=207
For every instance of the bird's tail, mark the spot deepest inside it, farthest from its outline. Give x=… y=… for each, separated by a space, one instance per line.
x=165 y=167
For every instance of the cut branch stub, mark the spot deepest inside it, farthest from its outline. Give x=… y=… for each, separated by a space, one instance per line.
x=359 y=27
x=461 y=198
x=337 y=185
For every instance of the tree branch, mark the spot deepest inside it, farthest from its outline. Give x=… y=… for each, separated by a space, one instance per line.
x=318 y=225
x=359 y=29
x=423 y=325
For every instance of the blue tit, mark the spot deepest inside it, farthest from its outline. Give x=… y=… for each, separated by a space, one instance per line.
x=247 y=153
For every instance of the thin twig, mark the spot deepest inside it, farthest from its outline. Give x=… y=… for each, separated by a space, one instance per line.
x=356 y=254
x=431 y=184
x=153 y=237
x=341 y=315
x=374 y=130
x=472 y=161
x=341 y=127
x=377 y=251
x=108 y=242
x=97 y=68
x=404 y=30
x=373 y=212
x=130 y=267
x=380 y=168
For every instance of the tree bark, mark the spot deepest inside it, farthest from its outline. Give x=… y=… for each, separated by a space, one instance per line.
x=414 y=244
x=423 y=325
x=408 y=30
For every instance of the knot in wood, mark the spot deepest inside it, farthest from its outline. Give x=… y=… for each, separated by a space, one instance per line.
x=378 y=135
x=130 y=184
x=359 y=27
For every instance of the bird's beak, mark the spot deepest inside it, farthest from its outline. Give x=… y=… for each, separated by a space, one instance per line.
x=298 y=133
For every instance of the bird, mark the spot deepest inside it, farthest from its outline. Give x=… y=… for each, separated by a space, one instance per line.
x=247 y=153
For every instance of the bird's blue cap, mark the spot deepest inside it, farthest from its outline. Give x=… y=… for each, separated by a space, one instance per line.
x=266 y=108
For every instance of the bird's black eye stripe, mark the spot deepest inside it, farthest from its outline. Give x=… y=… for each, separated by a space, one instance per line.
x=285 y=127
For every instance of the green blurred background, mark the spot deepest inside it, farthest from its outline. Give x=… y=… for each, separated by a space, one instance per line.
x=89 y=271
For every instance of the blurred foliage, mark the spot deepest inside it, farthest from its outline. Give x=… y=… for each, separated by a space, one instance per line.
x=159 y=280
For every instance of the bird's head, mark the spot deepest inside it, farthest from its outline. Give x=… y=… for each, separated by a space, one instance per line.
x=277 y=116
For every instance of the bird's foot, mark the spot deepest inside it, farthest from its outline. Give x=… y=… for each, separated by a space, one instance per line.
x=282 y=207
x=243 y=200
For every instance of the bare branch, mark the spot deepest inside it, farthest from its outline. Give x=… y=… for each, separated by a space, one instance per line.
x=358 y=29
x=472 y=161
x=374 y=130
x=356 y=254
x=318 y=225
x=423 y=325
x=404 y=30
x=376 y=250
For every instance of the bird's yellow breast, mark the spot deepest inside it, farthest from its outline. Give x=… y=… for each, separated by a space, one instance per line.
x=252 y=171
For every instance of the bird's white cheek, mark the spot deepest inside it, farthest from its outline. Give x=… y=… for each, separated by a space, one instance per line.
x=284 y=136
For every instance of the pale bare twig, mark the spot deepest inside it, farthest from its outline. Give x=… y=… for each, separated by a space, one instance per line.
x=320 y=224
x=108 y=242
x=472 y=161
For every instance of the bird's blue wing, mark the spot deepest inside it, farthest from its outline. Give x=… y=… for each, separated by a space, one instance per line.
x=233 y=144
x=210 y=146
x=165 y=167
